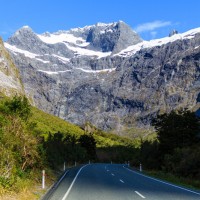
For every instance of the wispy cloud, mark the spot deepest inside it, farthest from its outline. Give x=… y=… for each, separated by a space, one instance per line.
x=151 y=26
x=153 y=34
x=3 y=32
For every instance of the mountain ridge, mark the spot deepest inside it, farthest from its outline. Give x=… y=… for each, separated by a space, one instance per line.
x=70 y=77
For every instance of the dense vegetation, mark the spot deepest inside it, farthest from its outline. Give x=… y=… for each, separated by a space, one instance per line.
x=31 y=140
x=18 y=146
x=177 y=148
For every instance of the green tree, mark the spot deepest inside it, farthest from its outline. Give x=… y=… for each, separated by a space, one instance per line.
x=150 y=155
x=176 y=129
x=19 y=106
x=88 y=142
x=60 y=147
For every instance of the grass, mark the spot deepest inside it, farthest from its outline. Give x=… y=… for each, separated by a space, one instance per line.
x=47 y=123
x=181 y=181
x=28 y=188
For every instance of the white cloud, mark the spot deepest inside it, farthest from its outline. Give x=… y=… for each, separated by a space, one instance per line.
x=153 y=34
x=151 y=26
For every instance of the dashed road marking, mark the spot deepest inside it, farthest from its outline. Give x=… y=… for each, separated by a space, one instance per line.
x=139 y=194
x=112 y=174
x=121 y=181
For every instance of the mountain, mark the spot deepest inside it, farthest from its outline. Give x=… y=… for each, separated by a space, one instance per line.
x=106 y=74
x=10 y=81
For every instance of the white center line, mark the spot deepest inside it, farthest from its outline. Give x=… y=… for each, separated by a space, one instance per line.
x=112 y=174
x=121 y=181
x=107 y=170
x=139 y=194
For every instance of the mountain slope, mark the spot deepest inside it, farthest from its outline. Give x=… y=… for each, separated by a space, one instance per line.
x=107 y=74
x=10 y=81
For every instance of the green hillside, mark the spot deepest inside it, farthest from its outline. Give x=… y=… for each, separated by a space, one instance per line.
x=49 y=124
x=46 y=123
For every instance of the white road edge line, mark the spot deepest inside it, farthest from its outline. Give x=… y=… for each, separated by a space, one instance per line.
x=112 y=174
x=54 y=186
x=70 y=187
x=121 y=181
x=139 y=194
x=61 y=179
x=163 y=182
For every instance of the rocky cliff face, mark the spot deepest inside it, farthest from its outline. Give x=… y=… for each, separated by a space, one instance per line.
x=107 y=74
x=10 y=81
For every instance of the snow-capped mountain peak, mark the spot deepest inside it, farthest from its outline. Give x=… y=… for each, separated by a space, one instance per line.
x=131 y=50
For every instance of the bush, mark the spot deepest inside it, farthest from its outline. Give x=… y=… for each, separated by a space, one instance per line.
x=184 y=162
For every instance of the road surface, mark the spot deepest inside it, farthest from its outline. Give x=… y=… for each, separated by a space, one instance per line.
x=115 y=182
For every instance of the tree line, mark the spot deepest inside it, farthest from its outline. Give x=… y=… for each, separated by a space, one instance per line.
x=177 y=147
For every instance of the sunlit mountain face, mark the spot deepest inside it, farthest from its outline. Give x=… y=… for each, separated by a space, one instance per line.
x=107 y=74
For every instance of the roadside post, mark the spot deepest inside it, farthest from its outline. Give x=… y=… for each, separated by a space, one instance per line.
x=43 y=179
x=64 y=167
x=140 y=167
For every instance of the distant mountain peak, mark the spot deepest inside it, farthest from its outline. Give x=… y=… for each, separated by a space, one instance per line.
x=24 y=29
x=89 y=27
x=105 y=24
x=101 y=37
x=112 y=37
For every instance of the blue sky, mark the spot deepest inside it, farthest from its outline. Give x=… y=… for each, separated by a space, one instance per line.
x=150 y=18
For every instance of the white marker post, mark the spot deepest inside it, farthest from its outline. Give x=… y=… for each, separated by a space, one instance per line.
x=43 y=179
x=64 y=167
x=75 y=163
x=89 y=161
x=140 y=167
x=128 y=164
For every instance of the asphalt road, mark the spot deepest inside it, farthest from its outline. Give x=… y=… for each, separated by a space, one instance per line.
x=115 y=182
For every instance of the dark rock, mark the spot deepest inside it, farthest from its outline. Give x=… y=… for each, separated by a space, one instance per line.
x=173 y=32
